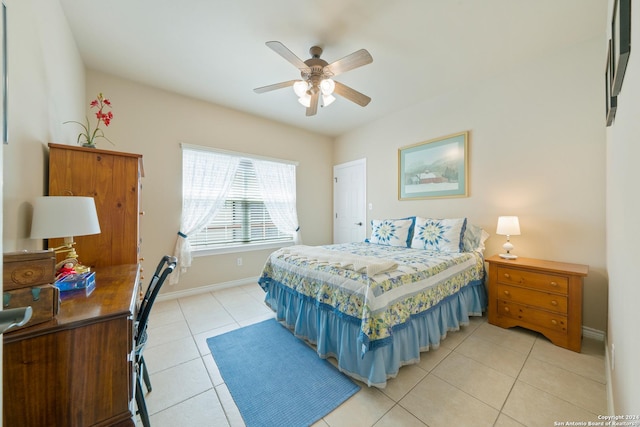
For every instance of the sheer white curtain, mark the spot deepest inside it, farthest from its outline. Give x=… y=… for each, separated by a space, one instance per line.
x=207 y=178
x=277 y=182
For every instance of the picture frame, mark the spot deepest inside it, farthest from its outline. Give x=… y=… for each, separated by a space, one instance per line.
x=4 y=80
x=611 y=102
x=620 y=43
x=437 y=168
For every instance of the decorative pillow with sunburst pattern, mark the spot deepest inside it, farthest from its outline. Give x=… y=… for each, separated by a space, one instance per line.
x=391 y=232
x=441 y=235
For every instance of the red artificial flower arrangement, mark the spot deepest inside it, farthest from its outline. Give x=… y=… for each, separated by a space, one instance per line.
x=88 y=136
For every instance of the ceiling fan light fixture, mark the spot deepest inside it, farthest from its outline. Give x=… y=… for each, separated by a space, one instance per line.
x=327 y=86
x=327 y=100
x=316 y=77
x=300 y=88
x=305 y=100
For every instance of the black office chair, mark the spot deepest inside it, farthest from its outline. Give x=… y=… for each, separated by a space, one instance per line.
x=165 y=267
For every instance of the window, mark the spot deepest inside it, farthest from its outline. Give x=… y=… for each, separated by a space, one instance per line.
x=244 y=217
x=247 y=209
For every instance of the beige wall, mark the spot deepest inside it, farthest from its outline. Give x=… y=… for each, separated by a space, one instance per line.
x=623 y=233
x=46 y=88
x=153 y=122
x=537 y=144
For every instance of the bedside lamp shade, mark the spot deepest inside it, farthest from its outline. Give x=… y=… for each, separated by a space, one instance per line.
x=508 y=226
x=64 y=216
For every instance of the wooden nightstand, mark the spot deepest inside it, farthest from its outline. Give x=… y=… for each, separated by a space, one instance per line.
x=544 y=296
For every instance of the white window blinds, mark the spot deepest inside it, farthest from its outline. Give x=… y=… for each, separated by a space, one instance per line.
x=244 y=218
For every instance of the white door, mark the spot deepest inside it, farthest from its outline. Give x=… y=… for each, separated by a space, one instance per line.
x=349 y=202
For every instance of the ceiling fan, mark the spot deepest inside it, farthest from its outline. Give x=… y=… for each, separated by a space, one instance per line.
x=317 y=77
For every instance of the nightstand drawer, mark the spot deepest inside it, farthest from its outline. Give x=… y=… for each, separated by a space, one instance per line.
x=540 y=318
x=530 y=279
x=542 y=300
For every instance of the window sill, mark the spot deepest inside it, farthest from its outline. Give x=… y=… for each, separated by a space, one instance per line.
x=240 y=248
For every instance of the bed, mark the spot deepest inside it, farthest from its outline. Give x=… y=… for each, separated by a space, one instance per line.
x=375 y=305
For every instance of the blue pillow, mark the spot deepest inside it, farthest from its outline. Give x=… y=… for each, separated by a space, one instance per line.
x=440 y=235
x=391 y=232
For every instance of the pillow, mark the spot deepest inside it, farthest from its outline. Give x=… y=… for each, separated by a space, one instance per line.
x=441 y=235
x=391 y=232
x=474 y=238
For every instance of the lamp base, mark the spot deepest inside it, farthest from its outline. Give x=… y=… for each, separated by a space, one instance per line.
x=508 y=256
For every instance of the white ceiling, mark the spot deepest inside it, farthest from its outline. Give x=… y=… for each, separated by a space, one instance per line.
x=215 y=50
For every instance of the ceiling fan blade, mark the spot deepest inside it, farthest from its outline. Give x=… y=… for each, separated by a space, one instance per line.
x=349 y=62
x=351 y=94
x=282 y=50
x=313 y=105
x=264 y=89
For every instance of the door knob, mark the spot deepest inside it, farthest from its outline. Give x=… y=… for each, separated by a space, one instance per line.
x=359 y=223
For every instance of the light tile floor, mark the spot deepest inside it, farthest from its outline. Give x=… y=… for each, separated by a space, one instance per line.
x=482 y=375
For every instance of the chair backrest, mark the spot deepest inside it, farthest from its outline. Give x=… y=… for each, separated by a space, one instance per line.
x=164 y=268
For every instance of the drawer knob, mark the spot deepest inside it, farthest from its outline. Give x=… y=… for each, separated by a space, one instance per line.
x=554 y=322
x=554 y=302
x=507 y=275
x=506 y=309
x=554 y=284
x=506 y=292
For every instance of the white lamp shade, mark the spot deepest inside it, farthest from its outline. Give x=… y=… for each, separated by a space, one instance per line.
x=327 y=100
x=300 y=88
x=327 y=86
x=305 y=100
x=508 y=226
x=64 y=216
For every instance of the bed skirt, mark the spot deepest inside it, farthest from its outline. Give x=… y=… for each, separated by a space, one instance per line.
x=336 y=336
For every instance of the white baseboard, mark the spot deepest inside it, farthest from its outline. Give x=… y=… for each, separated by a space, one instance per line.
x=607 y=369
x=593 y=333
x=165 y=296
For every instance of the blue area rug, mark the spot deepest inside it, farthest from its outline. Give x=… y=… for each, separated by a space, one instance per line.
x=275 y=378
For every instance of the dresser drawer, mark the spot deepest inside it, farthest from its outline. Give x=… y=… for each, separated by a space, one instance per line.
x=526 y=314
x=531 y=279
x=543 y=300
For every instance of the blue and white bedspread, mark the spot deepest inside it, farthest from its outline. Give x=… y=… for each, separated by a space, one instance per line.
x=373 y=297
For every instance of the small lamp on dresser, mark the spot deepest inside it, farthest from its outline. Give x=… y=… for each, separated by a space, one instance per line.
x=508 y=226
x=64 y=216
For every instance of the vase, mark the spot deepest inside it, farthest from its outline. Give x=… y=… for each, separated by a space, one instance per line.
x=88 y=145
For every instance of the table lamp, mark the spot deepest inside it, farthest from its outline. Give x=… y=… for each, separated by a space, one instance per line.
x=64 y=216
x=508 y=226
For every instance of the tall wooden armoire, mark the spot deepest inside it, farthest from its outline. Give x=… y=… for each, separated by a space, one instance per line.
x=113 y=179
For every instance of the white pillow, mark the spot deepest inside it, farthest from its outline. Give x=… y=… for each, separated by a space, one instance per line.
x=441 y=235
x=391 y=232
x=474 y=238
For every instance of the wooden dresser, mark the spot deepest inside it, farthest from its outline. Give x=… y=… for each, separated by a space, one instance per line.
x=77 y=369
x=544 y=296
x=113 y=180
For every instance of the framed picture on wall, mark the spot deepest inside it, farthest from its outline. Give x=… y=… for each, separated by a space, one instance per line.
x=610 y=101
x=434 y=168
x=621 y=42
x=3 y=78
